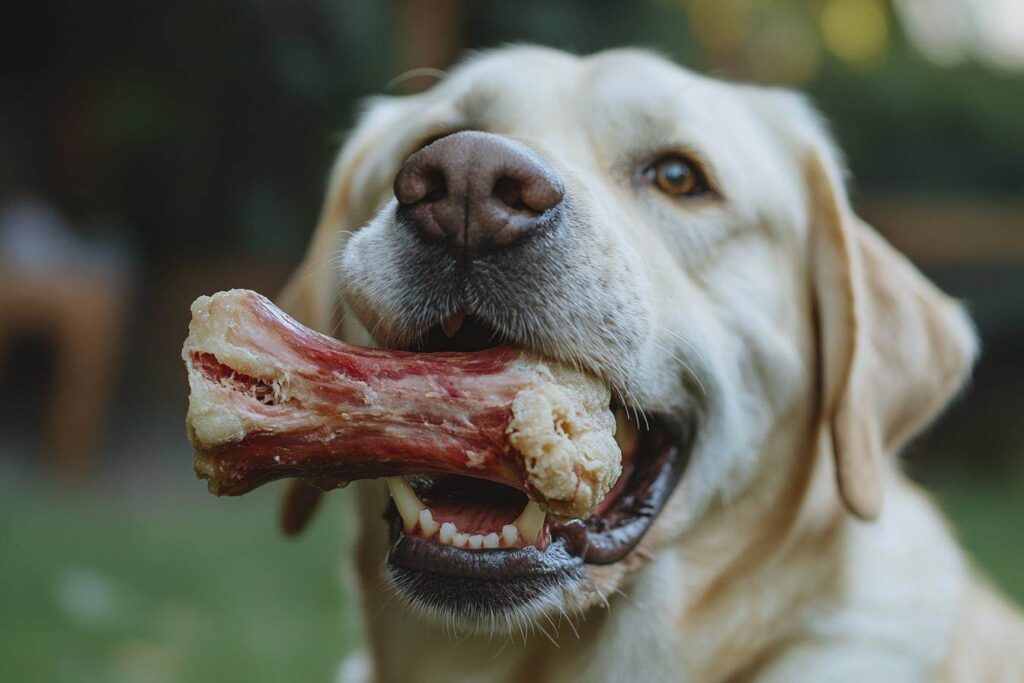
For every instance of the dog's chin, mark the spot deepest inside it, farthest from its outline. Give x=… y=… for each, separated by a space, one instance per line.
x=488 y=591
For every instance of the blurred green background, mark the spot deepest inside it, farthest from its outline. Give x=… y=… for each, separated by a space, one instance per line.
x=151 y=152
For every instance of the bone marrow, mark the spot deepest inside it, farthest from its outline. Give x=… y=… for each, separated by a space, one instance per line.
x=271 y=399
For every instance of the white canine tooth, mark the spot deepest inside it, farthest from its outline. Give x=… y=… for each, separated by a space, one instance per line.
x=510 y=534
x=626 y=434
x=408 y=504
x=447 y=533
x=530 y=522
x=476 y=541
x=491 y=540
x=460 y=540
x=427 y=524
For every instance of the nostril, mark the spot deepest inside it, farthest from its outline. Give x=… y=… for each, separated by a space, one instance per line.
x=509 y=192
x=436 y=186
x=535 y=193
x=544 y=191
x=416 y=183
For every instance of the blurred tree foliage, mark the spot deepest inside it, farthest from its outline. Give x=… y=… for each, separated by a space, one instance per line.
x=210 y=124
x=905 y=124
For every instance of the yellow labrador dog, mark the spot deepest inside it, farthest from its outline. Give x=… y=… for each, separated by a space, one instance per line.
x=689 y=242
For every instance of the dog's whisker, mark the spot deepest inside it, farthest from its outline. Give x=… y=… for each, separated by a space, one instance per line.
x=418 y=72
x=310 y=268
x=539 y=626
x=678 y=337
x=554 y=628
x=568 y=619
x=638 y=411
x=684 y=364
x=339 y=310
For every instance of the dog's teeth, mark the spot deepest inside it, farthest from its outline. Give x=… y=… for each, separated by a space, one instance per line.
x=408 y=504
x=427 y=524
x=530 y=522
x=414 y=513
x=453 y=324
x=626 y=434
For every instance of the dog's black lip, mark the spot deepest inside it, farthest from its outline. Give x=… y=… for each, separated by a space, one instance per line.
x=422 y=555
x=479 y=582
x=661 y=461
x=479 y=585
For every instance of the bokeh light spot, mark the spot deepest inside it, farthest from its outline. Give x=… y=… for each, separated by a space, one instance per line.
x=855 y=31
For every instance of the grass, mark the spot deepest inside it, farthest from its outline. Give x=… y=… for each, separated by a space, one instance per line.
x=986 y=513
x=192 y=589
x=187 y=587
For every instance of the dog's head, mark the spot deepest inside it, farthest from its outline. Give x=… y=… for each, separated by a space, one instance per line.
x=688 y=241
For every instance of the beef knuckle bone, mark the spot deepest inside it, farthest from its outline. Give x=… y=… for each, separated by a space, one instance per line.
x=270 y=399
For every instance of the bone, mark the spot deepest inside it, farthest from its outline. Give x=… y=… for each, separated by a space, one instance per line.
x=271 y=399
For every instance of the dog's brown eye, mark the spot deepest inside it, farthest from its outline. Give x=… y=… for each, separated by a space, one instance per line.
x=676 y=176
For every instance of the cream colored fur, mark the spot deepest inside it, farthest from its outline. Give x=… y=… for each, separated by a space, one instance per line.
x=794 y=549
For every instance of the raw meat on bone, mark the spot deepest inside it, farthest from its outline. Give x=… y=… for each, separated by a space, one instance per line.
x=272 y=399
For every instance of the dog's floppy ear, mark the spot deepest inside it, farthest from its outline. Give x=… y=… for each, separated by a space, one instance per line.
x=892 y=348
x=353 y=192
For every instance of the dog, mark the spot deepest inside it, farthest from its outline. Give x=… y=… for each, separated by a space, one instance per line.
x=691 y=243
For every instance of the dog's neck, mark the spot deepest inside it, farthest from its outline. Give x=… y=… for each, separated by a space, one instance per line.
x=796 y=515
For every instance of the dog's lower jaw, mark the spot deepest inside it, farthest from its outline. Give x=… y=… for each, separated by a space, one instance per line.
x=572 y=597
x=548 y=613
x=584 y=644
x=510 y=593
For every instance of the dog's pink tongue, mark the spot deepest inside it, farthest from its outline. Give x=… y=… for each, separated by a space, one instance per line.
x=474 y=507
x=272 y=399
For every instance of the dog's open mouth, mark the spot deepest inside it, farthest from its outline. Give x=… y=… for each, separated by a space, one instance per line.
x=474 y=514
x=495 y=545
x=507 y=472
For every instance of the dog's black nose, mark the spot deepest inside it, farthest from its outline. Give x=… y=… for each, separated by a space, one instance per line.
x=476 y=192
